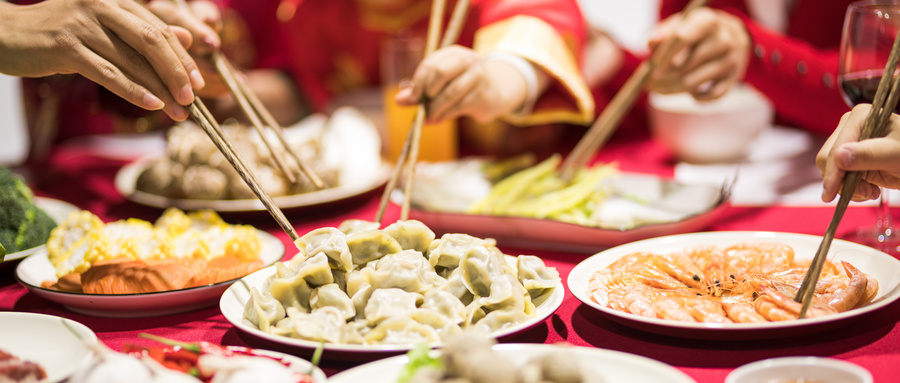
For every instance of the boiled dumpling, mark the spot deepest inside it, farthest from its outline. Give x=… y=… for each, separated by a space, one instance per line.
x=322 y=324
x=411 y=234
x=385 y=303
x=479 y=267
x=351 y=226
x=332 y=295
x=330 y=241
x=316 y=270
x=402 y=330
x=262 y=311
x=288 y=288
x=449 y=250
x=446 y=304
x=370 y=245
x=535 y=275
x=407 y=270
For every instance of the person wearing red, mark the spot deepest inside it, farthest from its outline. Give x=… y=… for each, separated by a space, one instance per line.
x=787 y=49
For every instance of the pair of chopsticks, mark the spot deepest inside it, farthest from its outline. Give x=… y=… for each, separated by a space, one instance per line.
x=875 y=126
x=620 y=104
x=208 y=123
x=257 y=113
x=406 y=163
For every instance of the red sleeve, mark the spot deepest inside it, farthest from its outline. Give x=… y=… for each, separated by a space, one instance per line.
x=563 y=15
x=800 y=80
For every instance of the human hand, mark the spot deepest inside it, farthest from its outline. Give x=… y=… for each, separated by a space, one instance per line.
x=705 y=55
x=456 y=82
x=118 y=44
x=879 y=158
x=203 y=21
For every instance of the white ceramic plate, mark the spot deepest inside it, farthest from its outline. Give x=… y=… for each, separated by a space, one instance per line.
x=235 y=299
x=706 y=205
x=295 y=364
x=126 y=179
x=885 y=268
x=56 y=209
x=45 y=340
x=36 y=269
x=612 y=366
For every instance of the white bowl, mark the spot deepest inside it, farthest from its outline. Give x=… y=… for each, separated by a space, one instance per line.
x=712 y=131
x=800 y=369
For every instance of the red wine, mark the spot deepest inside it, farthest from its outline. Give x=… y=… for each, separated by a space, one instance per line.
x=860 y=87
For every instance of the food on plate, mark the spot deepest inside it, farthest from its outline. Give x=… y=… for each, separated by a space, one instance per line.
x=598 y=196
x=195 y=169
x=13 y=369
x=342 y=149
x=397 y=285
x=186 y=362
x=745 y=282
x=23 y=225
x=469 y=358
x=131 y=256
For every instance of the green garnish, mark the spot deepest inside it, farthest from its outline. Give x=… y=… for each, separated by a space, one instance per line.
x=187 y=346
x=419 y=357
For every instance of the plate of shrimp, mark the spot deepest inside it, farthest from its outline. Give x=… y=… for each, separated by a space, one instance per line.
x=733 y=285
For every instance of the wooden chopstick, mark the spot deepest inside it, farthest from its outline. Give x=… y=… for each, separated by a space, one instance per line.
x=620 y=104
x=204 y=118
x=406 y=162
x=883 y=106
x=231 y=81
x=267 y=117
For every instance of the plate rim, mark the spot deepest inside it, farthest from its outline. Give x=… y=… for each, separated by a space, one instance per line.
x=126 y=179
x=675 y=375
x=232 y=296
x=43 y=203
x=691 y=329
x=87 y=301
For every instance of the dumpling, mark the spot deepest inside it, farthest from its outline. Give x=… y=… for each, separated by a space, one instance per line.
x=479 y=267
x=500 y=319
x=351 y=226
x=446 y=304
x=370 y=245
x=330 y=241
x=316 y=270
x=407 y=270
x=449 y=250
x=262 y=311
x=441 y=323
x=288 y=288
x=322 y=324
x=332 y=295
x=360 y=299
x=411 y=234
x=457 y=287
x=402 y=330
x=355 y=282
x=385 y=303
x=534 y=275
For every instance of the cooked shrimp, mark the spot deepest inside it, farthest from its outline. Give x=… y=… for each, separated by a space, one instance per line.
x=707 y=310
x=673 y=308
x=742 y=312
x=846 y=298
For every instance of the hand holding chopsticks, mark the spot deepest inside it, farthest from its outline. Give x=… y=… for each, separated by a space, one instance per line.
x=406 y=163
x=620 y=104
x=883 y=106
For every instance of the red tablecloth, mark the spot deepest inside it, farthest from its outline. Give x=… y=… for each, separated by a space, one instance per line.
x=872 y=342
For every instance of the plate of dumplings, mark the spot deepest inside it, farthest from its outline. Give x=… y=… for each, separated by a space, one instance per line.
x=358 y=288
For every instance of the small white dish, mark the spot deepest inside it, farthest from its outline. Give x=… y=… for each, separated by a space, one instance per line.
x=800 y=369
x=236 y=297
x=36 y=269
x=56 y=209
x=47 y=341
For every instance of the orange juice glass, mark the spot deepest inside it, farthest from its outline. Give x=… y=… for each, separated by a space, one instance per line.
x=400 y=57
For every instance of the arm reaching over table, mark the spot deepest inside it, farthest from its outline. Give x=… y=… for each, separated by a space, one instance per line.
x=118 y=44
x=877 y=157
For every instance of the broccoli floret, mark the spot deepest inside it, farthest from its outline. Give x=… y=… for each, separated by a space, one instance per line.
x=8 y=239
x=35 y=230
x=22 y=224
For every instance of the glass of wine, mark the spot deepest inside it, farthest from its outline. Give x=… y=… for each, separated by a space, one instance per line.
x=868 y=34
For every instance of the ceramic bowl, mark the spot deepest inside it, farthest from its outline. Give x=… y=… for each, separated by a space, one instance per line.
x=800 y=369
x=712 y=131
